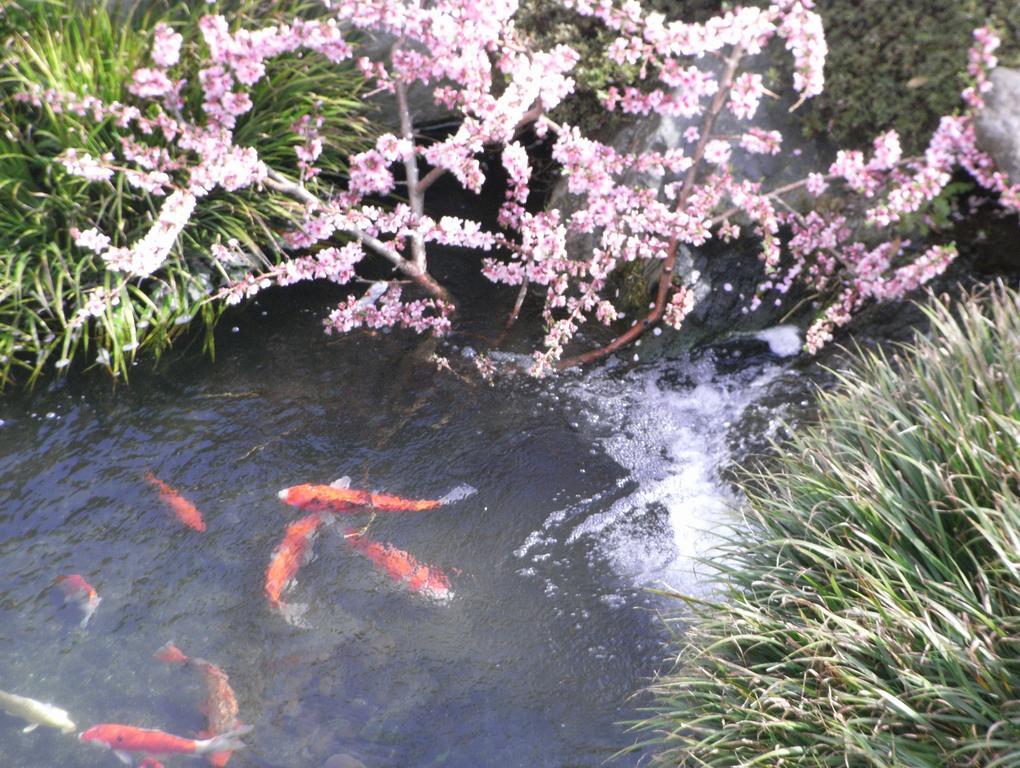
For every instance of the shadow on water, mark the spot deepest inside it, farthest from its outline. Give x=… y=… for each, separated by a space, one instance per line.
x=586 y=491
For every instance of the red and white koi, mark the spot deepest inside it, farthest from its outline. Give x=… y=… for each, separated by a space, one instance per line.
x=77 y=590
x=124 y=739
x=401 y=566
x=185 y=511
x=220 y=704
x=294 y=551
x=338 y=497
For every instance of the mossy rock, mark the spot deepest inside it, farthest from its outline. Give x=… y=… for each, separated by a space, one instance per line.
x=899 y=65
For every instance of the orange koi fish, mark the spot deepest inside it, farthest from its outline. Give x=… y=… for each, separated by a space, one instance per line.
x=220 y=704
x=123 y=739
x=293 y=552
x=338 y=497
x=150 y=762
x=401 y=566
x=77 y=590
x=184 y=509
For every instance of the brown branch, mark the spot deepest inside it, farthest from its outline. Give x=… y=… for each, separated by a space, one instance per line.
x=669 y=263
x=521 y=294
x=420 y=277
x=430 y=178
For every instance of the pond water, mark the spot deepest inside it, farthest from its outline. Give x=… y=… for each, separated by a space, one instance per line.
x=589 y=488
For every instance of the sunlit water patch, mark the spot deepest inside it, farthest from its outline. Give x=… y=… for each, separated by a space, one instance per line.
x=588 y=489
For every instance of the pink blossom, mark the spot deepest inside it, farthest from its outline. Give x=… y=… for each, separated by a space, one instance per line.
x=761 y=142
x=370 y=174
x=86 y=166
x=148 y=254
x=745 y=94
x=805 y=39
x=718 y=151
x=816 y=184
x=92 y=239
x=680 y=305
x=147 y=83
x=387 y=311
x=166 y=46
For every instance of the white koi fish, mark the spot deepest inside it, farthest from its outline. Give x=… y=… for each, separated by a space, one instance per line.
x=36 y=713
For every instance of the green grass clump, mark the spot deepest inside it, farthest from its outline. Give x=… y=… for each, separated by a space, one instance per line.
x=85 y=48
x=870 y=608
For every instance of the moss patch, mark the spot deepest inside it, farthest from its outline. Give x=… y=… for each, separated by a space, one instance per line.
x=897 y=65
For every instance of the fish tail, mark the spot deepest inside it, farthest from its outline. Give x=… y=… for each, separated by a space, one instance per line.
x=90 y=610
x=230 y=741
x=459 y=492
x=294 y=614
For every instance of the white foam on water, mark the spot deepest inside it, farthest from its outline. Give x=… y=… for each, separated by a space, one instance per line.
x=783 y=340
x=666 y=426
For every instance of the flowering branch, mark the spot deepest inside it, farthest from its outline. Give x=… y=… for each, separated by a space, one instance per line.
x=669 y=264
x=469 y=53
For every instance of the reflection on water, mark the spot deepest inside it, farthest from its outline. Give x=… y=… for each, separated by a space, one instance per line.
x=531 y=664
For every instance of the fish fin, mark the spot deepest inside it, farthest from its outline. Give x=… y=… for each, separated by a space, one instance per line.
x=30 y=728
x=341 y=482
x=229 y=741
x=220 y=759
x=293 y=614
x=459 y=492
x=124 y=757
x=170 y=653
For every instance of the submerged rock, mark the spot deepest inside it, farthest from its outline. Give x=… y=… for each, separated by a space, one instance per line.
x=998 y=124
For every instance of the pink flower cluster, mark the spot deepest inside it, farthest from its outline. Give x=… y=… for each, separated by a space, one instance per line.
x=333 y=264
x=980 y=60
x=388 y=310
x=307 y=127
x=823 y=249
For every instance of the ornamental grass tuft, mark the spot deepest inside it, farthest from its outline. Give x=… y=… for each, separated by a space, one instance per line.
x=88 y=48
x=869 y=612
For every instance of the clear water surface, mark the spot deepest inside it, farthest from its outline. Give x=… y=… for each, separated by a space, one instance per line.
x=588 y=489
